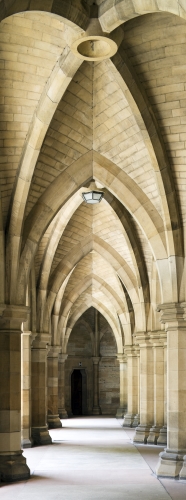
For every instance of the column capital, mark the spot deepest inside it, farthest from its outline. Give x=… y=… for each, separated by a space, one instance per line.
x=142 y=339
x=96 y=360
x=54 y=351
x=32 y=337
x=121 y=358
x=173 y=315
x=158 y=338
x=30 y=334
x=131 y=351
x=41 y=341
x=28 y=337
x=2 y=308
x=11 y=316
x=62 y=357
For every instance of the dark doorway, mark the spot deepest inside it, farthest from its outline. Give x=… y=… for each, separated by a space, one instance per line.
x=76 y=392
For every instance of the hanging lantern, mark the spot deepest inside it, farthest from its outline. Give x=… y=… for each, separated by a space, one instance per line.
x=92 y=197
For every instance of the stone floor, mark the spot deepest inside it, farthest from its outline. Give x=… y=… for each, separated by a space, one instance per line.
x=93 y=458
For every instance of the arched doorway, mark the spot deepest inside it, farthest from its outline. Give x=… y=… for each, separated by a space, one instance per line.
x=78 y=392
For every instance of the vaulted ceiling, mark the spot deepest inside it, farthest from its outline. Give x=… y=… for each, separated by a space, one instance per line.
x=68 y=125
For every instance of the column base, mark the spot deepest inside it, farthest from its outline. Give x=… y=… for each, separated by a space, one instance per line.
x=27 y=443
x=120 y=412
x=170 y=464
x=183 y=470
x=141 y=434
x=153 y=435
x=136 y=420
x=63 y=413
x=128 y=420
x=13 y=467
x=96 y=410
x=41 y=436
x=54 y=422
x=163 y=436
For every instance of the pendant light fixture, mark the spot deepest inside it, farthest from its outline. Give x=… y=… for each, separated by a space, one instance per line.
x=92 y=197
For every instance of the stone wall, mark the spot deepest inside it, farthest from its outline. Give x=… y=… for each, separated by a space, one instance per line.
x=108 y=375
x=80 y=350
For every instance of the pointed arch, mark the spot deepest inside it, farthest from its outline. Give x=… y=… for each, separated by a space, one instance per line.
x=74 y=318
x=60 y=78
x=76 y=12
x=119 y=304
x=92 y=165
x=113 y=13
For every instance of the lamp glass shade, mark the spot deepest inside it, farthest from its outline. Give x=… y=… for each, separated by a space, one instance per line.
x=92 y=197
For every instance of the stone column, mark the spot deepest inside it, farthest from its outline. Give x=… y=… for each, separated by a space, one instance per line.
x=39 y=350
x=26 y=340
x=171 y=460
x=132 y=386
x=123 y=385
x=146 y=388
x=12 y=463
x=136 y=420
x=157 y=338
x=53 y=415
x=96 y=408
x=163 y=431
x=61 y=386
x=96 y=358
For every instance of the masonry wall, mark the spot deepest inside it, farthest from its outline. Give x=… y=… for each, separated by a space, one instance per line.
x=80 y=352
x=108 y=375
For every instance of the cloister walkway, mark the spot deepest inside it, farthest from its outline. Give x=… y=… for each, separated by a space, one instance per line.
x=93 y=458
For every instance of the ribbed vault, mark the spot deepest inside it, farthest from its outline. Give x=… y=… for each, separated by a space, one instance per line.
x=70 y=125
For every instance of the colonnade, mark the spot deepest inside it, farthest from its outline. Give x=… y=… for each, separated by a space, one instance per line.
x=156 y=395
x=152 y=390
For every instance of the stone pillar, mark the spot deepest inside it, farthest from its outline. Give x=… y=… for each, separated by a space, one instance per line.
x=146 y=388
x=12 y=463
x=132 y=386
x=26 y=340
x=171 y=460
x=157 y=339
x=163 y=431
x=53 y=415
x=61 y=386
x=136 y=420
x=123 y=385
x=40 y=432
x=96 y=408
